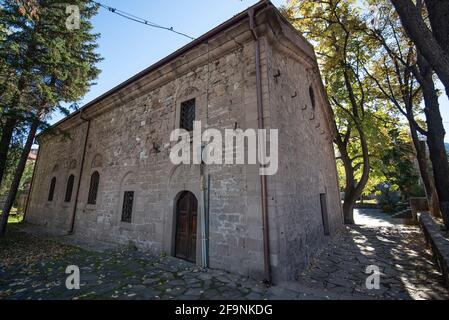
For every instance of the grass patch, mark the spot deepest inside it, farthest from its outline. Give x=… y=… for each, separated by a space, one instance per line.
x=14 y=216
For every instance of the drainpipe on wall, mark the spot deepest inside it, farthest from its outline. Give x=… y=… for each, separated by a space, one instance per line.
x=207 y=203
x=203 y=217
x=205 y=185
x=263 y=178
x=72 y=224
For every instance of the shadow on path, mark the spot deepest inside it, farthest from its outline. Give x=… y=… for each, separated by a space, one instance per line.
x=398 y=250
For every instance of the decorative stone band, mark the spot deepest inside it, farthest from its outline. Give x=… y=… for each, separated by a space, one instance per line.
x=438 y=243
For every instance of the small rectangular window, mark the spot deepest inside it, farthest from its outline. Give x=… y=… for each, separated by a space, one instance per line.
x=187 y=115
x=128 y=199
x=324 y=214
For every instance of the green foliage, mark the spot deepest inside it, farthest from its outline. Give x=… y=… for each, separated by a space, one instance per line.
x=398 y=167
x=13 y=159
x=365 y=86
x=15 y=218
x=363 y=121
x=25 y=181
x=388 y=197
x=44 y=62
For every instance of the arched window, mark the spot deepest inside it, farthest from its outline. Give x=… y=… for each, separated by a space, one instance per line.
x=312 y=97
x=93 y=188
x=69 y=189
x=51 y=192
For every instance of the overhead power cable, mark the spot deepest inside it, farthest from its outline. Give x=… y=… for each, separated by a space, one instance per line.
x=134 y=18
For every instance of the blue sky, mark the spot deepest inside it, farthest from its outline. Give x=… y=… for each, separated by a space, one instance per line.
x=128 y=47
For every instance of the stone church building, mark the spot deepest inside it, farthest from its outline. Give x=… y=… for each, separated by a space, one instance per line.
x=105 y=174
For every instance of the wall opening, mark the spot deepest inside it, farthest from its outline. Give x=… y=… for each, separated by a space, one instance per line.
x=127 y=209
x=187 y=115
x=324 y=213
x=186 y=226
x=312 y=97
x=51 y=192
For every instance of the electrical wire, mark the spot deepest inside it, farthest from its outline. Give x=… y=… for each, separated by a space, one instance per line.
x=134 y=18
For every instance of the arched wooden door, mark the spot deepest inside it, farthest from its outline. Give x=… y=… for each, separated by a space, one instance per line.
x=186 y=216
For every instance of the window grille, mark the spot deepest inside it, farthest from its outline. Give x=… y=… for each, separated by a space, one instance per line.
x=187 y=115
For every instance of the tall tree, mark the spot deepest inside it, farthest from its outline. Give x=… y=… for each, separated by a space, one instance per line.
x=17 y=50
x=60 y=69
x=37 y=47
x=396 y=83
x=435 y=135
x=333 y=26
x=431 y=43
x=18 y=176
x=403 y=68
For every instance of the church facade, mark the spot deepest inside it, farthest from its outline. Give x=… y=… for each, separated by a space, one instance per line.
x=104 y=173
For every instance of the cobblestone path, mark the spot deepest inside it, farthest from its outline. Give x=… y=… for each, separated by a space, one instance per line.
x=407 y=270
x=337 y=272
x=33 y=267
x=126 y=274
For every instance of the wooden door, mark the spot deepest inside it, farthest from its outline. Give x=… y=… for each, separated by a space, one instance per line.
x=186 y=216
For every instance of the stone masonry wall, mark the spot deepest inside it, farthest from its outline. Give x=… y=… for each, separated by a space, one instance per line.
x=306 y=163
x=128 y=144
x=120 y=148
x=60 y=156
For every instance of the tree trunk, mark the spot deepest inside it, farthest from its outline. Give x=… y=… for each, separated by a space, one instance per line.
x=12 y=120
x=5 y=141
x=353 y=190
x=424 y=39
x=348 y=205
x=439 y=21
x=429 y=186
x=435 y=138
x=17 y=177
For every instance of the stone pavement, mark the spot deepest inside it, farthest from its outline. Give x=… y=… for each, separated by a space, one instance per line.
x=130 y=274
x=407 y=270
x=337 y=272
x=378 y=218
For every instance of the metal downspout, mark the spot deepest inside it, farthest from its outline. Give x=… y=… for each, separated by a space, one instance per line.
x=263 y=178
x=72 y=224
x=204 y=236
x=207 y=217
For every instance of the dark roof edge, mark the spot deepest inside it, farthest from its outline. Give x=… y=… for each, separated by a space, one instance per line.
x=237 y=18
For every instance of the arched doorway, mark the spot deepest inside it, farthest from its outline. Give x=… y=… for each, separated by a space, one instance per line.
x=186 y=217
